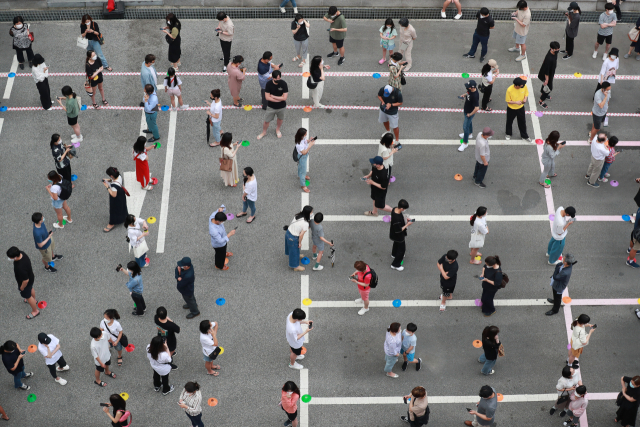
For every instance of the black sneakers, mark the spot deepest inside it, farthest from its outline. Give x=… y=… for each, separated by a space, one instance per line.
x=332 y=54
x=341 y=61
x=481 y=185
x=58 y=257
x=552 y=411
x=566 y=57
x=466 y=55
x=404 y=366
x=419 y=364
x=50 y=269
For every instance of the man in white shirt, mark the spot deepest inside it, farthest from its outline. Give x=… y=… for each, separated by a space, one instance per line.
x=101 y=355
x=599 y=150
x=563 y=218
x=482 y=156
x=49 y=347
x=295 y=336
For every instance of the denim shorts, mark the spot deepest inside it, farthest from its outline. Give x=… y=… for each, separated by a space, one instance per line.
x=118 y=347
x=206 y=359
x=519 y=39
x=57 y=204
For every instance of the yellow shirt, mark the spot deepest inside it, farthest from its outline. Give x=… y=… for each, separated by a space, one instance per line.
x=514 y=94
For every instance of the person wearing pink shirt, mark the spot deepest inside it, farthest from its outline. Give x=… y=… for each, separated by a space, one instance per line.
x=289 y=402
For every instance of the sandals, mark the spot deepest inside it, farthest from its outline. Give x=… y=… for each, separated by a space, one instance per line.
x=109 y=69
x=104 y=102
x=100 y=384
x=31 y=316
x=545 y=185
x=488 y=109
x=112 y=375
x=306 y=190
x=475 y=262
x=216 y=367
x=543 y=105
x=249 y=222
x=107 y=229
x=119 y=361
x=393 y=375
x=214 y=373
x=262 y=135
x=443 y=308
x=96 y=107
x=295 y=59
x=240 y=215
x=279 y=134
x=300 y=65
x=370 y=213
x=552 y=176
x=215 y=144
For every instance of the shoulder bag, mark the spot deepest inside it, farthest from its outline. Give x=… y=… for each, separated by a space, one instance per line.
x=563 y=398
x=141 y=249
x=505 y=280
x=311 y=84
x=99 y=35
x=501 y=350
x=123 y=340
x=82 y=43
x=226 y=165
x=633 y=34
x=214 y=354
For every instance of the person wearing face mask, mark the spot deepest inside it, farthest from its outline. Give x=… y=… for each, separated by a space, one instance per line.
x=407 y=36
x=141 y=155
x=265 y=68
x=24 y=276
x=276 y=92
x=190 y=400
x=148 y=76
x=566 y=386
x=608 y=71
x=571 y=30
x=172 y=31
x=215 y=116
x=173 y=86
x=395 y=70
x=388 y=35
x=606 y=22
x=249 y=194
x=40 y=73
x=316 y=80
x=491 y=283
x=44 y=242
x=398 y=232
x=482 y=33
x=482 y=156
x=220 y=238
x=578 y=404
x=479 y=230
x=294 y=235
x=61 y=156
x=137 y=230
x=471 y=106
x=72 y=109
x=390 y=99
x=90 y=30
x=21 y=41
x=300 y=30
x=93 y=69
x=135 y=286
x=550 y=151
x=627 y=401
x=225 y=31
x=547 y=72
x=489 y=74
x=236 y=75
x=303 y=145
x=117 y=198
x=337 y=32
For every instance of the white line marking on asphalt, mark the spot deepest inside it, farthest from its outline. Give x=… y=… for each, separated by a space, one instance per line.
x=304 y=389
x=135 y=201
x=166 y=185
x=305 y=69
x=304 y=293
x=9 y=86
x=438 y=218
x=471 y=303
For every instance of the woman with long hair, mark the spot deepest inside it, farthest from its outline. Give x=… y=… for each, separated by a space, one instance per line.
x=490 y=345
x=135 y=286
x=209 y=343
x=173 y=86
x=120 y=413
x=72 y=109
x=386 y=151
x=172 y=31
x=59 y=197
x=61 y=156
x=227 y=151
x=112 y=327
x=479 y=230
x=90 y=30
x=140 y=155
x=236 y=76
x=93 y=68
x=137 y=230
x=190 y=400
x=249 y=194
x=316 y=80
x=40 y=73
x=293 y=237
x=289 y=402
x=579 y=339
x=118 y=211
x=491 y=283
x=160 y=360
x=489 y=73
x=303 y=145
x=550 y=151
x=388 y=35
x=392 y=345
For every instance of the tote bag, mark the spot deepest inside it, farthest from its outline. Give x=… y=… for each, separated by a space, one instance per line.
x=82 y=42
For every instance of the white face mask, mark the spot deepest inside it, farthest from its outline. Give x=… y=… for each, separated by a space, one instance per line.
x=577 y=395
x=612 y=57
x=10 y=259
x=168 y=22
x=609 y=12
x=388 y=27
x=94 y=57
x=88 y=23
x=19 y=26
x=301 y=22
x=322 y=63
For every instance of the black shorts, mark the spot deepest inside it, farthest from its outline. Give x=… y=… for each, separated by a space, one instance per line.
x=597 y=121
x=291 y=417
x=602 y=39
x=100 y=368
x=26 y=293
x=340 y=43
x=296 y=351
x=72 y=121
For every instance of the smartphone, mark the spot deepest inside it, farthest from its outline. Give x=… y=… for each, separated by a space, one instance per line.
x=161 y=29
x=468 y=410
x=119 y=267
x=398 y=147
x=50 y=231
x=412 y=220
x=594 y=326
x=106 y=405
x=217 y=30
x=563 y=142
x=481 y=277
x=310 y=325
x=619 y=151
x=23 y=352
x=363 y=178
x=404 y=399
x=235 y=228
x=314 y=138
x=280 y=66
x=207 y=101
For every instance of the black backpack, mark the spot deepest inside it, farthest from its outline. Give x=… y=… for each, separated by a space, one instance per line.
x=374 y=278
x=65 y=189
x=296 y=157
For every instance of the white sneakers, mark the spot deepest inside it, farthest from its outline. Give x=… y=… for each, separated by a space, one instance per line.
x=318 y=268
x=595 y=54
x=461 y=135
x=443 y=14
x=363 y=311
x=458 y=16
x=462 y=147
x=514 y=49
x=74 y=138
x=295 y=366
x=554 y=263
x=59 y=369
x=283 y=10
x=300 y=357
x=604 y=56
x=398 y=268
x=359 y=301
x=521 y=58
x=295 y=10
x=61 y=381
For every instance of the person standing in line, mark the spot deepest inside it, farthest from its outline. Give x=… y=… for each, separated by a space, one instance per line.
x=600 y=108
x=173 y=86
x=120 y=413
x=60 y=191
x=110 y=323
x=167 y=330
x=236 y=75
x=392 y=347
x=49 y=347
x=220 y=238
x=24 y=276
x=479 y=230
x=293 y=237
x=72 y=109
x=276 y=92
x=547 y=73
x=634 y=44
x=160 y=360
x=608 y=73
x=249 y=194
x=215 y=116
x=40 y=72
x=61 y=155
x=390 y=99
x=579 y=339
x=395 y=70
x=303 y=145
x=137 y=231
x=284 y=3
x=516 y=96
x=90 y=30
x=337 y=32
x=482 y=33
x=489 y=73
x=230 y=178
x=386 y=151
x=186 y=278
x=118 y=212
x=418 y=411
x=492 y=278
x=550 y=151
x=209 y=342
x=295 y=336
x=482 y=156
x=315 y=82
x=578 y=404
x=634 y=244
x=225 y=31
x=599 y=151
x=407 y=36
x=151 y=112
x=21 y=41
x=140 y=155
x=408 y=350
x=571 y=31
x=388 y=35
x=378 y=179
x=559 y=232
x=567 y=383
x=93 y=69
x=265 y=68
x=135 y=286
x=101 y=355
x=190 y=400
x=172 y=31
x=12 y=356
x=149 y=76
x=44 y=242
x=300 y=30
x=446 y=3
x=559 y=282
x=606 y=22
x=522 y=18
x=289 y=403
x=471 y=107
x=490 y=346
x=485 y=414
x=608 y=161
x=362 y=277
x=318 y=240
x=628 y=406
x=448 y=267
x=4 y=414
x=398 y=233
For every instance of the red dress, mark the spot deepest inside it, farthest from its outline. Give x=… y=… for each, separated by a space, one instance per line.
x=142 y=168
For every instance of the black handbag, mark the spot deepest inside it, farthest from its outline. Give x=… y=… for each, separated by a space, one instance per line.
x=403 y=81
x=563 y=398
x=311 y=84
x=214 y=353
x=123 y=340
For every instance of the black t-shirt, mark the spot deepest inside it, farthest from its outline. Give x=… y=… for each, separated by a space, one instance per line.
x=393 y=98
x=484 y=24
x=23 y=271
x=94 y=26
x=495 y=275
x=397 y=234
x=548 y=67
x=169 y=331
x=277 y=90
x=490 y=348
x=381 y=177
x=471 y=101
x=631 y=392
x=637 y=198
x=92 y=68
x=9 y=359
x=302 y=33
x=315 y=75
x=452 y=272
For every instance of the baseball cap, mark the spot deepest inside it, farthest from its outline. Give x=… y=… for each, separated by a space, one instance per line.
x=573 y=6
x=493 y=63
x=387 y=90
x=43 y=338
x=571 y=211
x=185 y=262
x=519 y=82
x=377 y=160
x=487 y=131
x=470 y=84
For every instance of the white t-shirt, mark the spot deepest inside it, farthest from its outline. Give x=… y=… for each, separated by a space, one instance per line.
x=568 y=382
x=578 y=337
x=142 y=156
x=206 y=340
x=608 y=70
x=134 y=231
x=384 y=152
x=598 y=150
x=489 y=76
x=55 y=189
x=216 y=108
x=162 y=365
x=43 y=349
x=480 y=225
x=301 y=146
x=115 y=329
x=559 y=222
x=100 y=349
x=293 y=330
x=178 y=82
x=298 y=226
x=251 y=188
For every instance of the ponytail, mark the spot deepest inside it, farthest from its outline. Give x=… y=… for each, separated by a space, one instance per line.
x=479 y=212
x=583 y=319
x=498 y=260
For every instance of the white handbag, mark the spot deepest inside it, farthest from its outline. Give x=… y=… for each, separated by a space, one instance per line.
x=141 y=249
x=82 y=42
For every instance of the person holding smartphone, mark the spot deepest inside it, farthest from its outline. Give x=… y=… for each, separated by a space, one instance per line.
x=300 y=30
x=418 y=411
x=563 y=218
x=398 y=232
x=485 y=414
x=209 y=342
x=190 y=400
x=12 y=356
x=120 y=413
x=220 y=238
x=579 y=339
x=289 y=403
x=295 y=336
x=135 y=286
x=44 y=242
x=236 y=75
x=550 y=151
x=303 y=145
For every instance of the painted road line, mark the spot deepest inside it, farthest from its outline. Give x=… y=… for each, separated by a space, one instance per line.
x=472 y=303
x=304 y=389
x=418 y=142
x=439 y=218
x=9 y=86
x=137 y=194
x=166 y=185
x=620 y=143
x=304 y=294
x=305 y=124
x=305 y=69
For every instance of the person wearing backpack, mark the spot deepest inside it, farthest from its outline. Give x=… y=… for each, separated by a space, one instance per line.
x=398 y=233
x=59 y=190
x=120 y=413
x=365 y=278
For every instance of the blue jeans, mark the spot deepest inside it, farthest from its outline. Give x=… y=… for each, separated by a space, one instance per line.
x=284 y=2
x=141 y=261
x=474 y=46
x=17 y=379
x=467 y=127
x=94 y=45
x=215 y=129
x=196 y=420
x=291 y=249
x=389 y=361
x=555 y=249
x=151 y=123
x=488 y=364
x=249 y=204
x=302 y=169
x=605 y=168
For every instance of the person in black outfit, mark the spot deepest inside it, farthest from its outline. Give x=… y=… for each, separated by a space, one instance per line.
x=185 y=277
x=490 y=346
x=628 y=401
x=60 y=154
x=398 y=233
x=378 y=179
x=559 y=282
x=12 y=358
x=547 y=72
x=448 y=267
x=571 y=31
x=481 y=35
x=93 y=69
x=25 y=278
x=118 y=211
x=172 y=31
x=491 y=282
x=167 y=329
x=40 y=73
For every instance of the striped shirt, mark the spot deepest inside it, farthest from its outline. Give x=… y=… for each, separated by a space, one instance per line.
x=192 y=400
x=610 y=158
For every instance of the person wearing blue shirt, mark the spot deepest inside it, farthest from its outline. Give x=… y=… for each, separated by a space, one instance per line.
x=135 y=286
x=148 y=74
x=219 y=238
x=408 y=349
x=186 y=278
x=151 y=111
x=265 y=68
x=44 y=242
